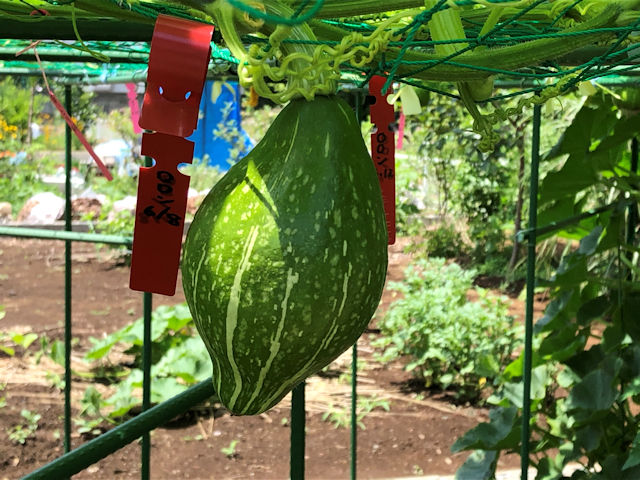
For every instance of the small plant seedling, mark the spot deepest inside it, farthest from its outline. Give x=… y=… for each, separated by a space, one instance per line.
x=337 y=415
x=341 y=417
x=230 y=451
x=55 y=380
x=21 y=432
x=3 y=399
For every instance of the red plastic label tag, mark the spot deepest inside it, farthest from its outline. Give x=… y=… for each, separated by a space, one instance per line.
x=178 y=62
x=162 y=203
x=383 y=151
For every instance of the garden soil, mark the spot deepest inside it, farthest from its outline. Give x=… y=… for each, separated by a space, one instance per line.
x=413 y=438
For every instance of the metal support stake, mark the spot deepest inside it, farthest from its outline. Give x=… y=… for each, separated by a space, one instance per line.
x=67 y=276
x=531 y=272
x=354 y=364
x=632 y=221
x=104 y=445
x=146 y=382
x=354 y=411
x=297 y=433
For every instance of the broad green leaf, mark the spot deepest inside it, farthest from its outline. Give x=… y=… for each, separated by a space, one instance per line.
x=487 y=365
x=634 y=455
x=57 y=352
x=24 y=340
x=549 y=469
x=622 y=133
x=540 y=378
x=553 y=314
x=555 y=211
x=100 y=348
x=613 y=467
x=165 y=388
x=589 y=243
x=589 y=437
x=501 y=432
x=593 y=309
x=480 y=465
x=613 y=336
x=575 y=176
x=8 y=350
x=572 y=272
x=595 y=392
x=590 y=122
x=562 y=345
x=630 y=320
x=586 y=361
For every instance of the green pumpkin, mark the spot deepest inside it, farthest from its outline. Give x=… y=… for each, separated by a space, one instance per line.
x=285 y=260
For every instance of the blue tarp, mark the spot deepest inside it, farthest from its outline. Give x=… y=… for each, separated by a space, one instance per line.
x=220 y=103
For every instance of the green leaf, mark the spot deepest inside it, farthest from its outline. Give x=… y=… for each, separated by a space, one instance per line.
x=165 y=388
x=8 y=350
x=595 y=392
x=540 y=378
x=480 y=465
x=586 y=361
x=622 y=133
x=57 y=352
x=99 y=350
x=549 y=469
x=572 y=178
x=593 y=309
x=487 y=365
x=562 y=344
x=586 y=125
x=589 y=243
x=589 y=437
x=630 y=309
x=634 y=455
x=501 y=432
x=24 y=340
x=572 y=272
x=632 y=389
x=555 y=311
x=614 y=224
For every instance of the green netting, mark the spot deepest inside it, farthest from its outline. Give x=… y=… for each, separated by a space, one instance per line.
x=532 y=39
x=310 y=44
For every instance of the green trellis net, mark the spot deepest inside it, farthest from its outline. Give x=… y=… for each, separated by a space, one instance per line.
x=288 y=48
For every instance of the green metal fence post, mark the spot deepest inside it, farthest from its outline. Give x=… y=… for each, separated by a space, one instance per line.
x=145 y=449
x=297 y=433
x=67 y=276
x=531 y=272
x=146 y=382
x=632 y=221
x=354 y=411
x=100 y=447
x=354 y=365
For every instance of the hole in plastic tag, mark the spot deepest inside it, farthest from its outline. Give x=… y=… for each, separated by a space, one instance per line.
x=160 y=210
x=178 y=62
x=383 y=151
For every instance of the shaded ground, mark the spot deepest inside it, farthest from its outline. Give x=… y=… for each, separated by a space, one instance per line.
x=413 y=438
